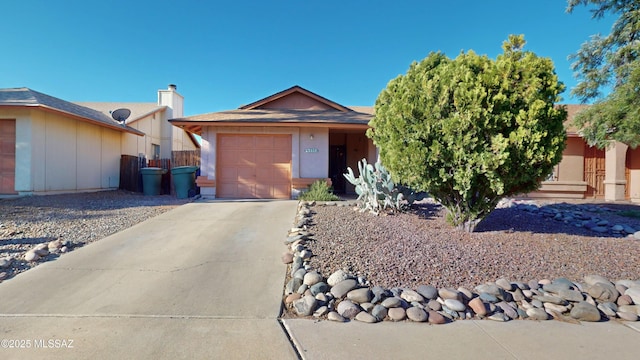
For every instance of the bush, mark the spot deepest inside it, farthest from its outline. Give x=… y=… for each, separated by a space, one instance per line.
x=319 y=191
x=472 y=130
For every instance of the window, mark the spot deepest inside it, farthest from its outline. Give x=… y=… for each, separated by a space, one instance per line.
x=554 y=175
x=156 y=151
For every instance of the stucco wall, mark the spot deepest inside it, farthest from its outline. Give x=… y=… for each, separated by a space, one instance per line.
x=633 y=162
x=152 y=126
x=572 y=164
x=181 y=140
x=296 y=101
x=314 y=164
x=60 y=154
x=135 y=145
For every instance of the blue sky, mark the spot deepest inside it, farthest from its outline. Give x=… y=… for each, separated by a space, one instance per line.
x=225 y=54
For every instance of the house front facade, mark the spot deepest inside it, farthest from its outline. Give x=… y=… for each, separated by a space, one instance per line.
x=277 y=146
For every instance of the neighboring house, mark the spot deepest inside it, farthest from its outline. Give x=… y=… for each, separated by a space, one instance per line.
x=586 y=172
x=277 y=146
x=161 y=138
x=48 y=145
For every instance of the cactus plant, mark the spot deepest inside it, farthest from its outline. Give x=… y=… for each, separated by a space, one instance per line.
x=376 y=190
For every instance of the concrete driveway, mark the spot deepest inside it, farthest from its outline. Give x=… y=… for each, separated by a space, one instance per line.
x=202 y=281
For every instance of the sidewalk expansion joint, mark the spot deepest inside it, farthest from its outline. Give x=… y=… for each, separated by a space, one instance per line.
x=297 y=349
x=138 y=316
x=494 y=339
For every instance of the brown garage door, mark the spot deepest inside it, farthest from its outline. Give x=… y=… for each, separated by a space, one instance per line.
x=253 y=166
x=7 y=156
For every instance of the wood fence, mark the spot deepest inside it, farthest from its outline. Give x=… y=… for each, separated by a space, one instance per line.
x=131 y=178
x=186 y=158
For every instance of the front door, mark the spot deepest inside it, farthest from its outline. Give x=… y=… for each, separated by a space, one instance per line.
x=337 y=167
x=594 y=171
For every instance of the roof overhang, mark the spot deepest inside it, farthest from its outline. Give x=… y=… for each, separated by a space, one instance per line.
x=196 y=126
x=121 y=128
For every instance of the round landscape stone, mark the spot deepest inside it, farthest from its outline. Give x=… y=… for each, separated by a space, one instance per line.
x=584 y=311
x=334 y=316
x=287 y=258
x=392 y=302
x=311 y=278
x=337 y=277
x=427 y=291
x=360 y=296
x=436 y=318
x=343 y=287
x=348 y=309
x=365 y=317
x=478 y=306
x=411 y=296
x=454 y=305
x=397 y=314
x=416 y=314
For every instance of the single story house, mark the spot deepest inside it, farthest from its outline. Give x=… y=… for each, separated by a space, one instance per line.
x=276 y=146
x=49 y=145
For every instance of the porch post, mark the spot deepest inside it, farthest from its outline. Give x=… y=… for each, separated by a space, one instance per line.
x=614 y=180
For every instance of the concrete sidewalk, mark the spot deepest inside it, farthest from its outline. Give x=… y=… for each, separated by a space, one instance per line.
x=468 y=339
x=202 y=281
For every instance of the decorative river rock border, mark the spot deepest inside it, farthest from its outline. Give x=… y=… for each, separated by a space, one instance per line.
x=342 y=297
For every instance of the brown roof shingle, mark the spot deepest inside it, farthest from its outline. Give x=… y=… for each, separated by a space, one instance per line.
x=31 y=98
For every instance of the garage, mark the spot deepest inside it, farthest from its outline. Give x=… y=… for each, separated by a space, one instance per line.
x=253 y=166
x=7 y=156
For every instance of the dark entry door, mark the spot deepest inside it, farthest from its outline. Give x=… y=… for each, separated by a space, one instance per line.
x=337 y=167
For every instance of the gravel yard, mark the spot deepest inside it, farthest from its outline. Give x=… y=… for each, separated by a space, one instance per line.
x=410 y=249
x=74 y=219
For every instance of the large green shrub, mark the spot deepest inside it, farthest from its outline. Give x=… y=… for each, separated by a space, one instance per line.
x=472 y=130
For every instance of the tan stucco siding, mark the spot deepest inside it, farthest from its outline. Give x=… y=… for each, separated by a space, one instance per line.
x=633 y=162
x=88 y=168
x=296 y=101
x=136 y=145
x=181 y=140
x=60 y=154
x=571 y=168
x=152 y=125
x=314 y=155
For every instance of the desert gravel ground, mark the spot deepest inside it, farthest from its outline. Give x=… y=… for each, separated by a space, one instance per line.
x=419 y=247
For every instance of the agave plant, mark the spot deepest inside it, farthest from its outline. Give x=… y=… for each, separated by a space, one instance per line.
x=376 y=190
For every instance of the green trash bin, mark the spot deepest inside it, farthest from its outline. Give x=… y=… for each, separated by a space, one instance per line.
x=151 y=180
x=184 y=179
